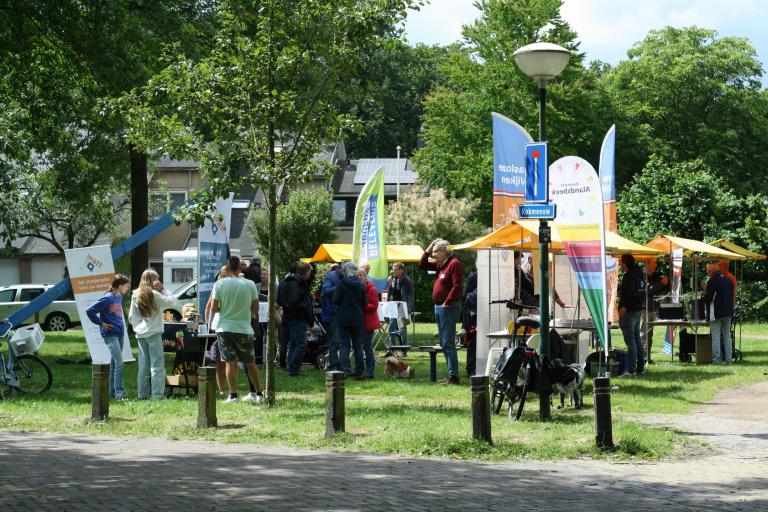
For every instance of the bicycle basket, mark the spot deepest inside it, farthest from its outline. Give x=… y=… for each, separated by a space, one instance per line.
x=26 y=340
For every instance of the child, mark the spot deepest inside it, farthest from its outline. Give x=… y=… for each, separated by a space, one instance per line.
x=107 y=313
x=146 y=316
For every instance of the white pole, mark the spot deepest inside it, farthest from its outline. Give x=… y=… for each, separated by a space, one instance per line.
x=398 y=173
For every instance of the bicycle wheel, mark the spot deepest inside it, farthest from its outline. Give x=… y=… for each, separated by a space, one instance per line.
x=497 y=396
x=35 y=377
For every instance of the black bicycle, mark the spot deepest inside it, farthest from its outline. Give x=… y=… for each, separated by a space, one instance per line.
x=518 y=369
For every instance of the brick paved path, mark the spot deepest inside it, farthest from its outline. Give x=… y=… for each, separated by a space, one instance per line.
x=74 y=473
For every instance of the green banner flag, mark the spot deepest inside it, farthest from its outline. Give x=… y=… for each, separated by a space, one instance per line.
x=369 y=240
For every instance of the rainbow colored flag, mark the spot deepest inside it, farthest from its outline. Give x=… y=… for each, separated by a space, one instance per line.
x=575 y=189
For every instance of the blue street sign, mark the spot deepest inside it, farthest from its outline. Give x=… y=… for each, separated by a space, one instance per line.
x=536 y=173
x=536 y=211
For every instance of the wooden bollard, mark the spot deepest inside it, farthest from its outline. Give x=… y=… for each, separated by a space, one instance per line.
x=334 y=403
x=206 y=397
x=100 y=392
x=603 y=425
x=481 y=408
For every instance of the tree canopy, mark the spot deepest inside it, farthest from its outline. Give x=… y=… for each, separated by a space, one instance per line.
x=482 y=77
x=303 y=223
x=685 y=94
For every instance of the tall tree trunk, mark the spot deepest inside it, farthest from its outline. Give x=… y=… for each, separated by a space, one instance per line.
x=139 y=211
x=272 y=203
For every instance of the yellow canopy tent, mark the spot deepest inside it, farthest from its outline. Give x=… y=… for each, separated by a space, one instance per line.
x=667 y=244
x=523 y=234
x=343 y=252
x=730 y=246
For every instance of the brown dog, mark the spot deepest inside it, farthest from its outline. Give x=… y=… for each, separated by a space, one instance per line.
x=398 y=369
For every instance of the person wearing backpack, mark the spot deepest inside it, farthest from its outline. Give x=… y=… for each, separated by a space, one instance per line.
x=631 y=305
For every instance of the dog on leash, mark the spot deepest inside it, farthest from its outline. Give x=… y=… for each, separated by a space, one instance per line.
x=569 y=381
x=396 y=368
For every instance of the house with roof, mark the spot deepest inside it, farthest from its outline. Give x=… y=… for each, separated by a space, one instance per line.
x=172 y=182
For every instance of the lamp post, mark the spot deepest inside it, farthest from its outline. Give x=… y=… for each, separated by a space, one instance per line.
x=397 y=192
x=542 y=61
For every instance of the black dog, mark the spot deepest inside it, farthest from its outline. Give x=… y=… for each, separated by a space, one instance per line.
x=569 y=380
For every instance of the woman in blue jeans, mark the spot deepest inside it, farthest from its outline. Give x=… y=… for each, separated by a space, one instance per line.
x=631 y=304
x=148 y=302
x=107 y=313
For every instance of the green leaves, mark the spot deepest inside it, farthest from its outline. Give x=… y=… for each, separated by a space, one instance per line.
x=303 y=223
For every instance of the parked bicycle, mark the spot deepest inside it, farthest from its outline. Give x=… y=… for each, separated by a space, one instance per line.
x=518 y=368
x=22 y=370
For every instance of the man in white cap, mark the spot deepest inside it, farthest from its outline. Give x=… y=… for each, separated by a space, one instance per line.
x=446 y=294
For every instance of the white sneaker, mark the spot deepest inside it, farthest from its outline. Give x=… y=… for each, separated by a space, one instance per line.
x=230 y=400
x=253 y=397
x=626 y=374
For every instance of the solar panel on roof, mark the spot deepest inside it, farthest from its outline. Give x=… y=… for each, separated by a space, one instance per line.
x=366 y=167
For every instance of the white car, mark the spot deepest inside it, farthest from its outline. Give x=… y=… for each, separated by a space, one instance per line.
x=187 y=293
x=60 y=315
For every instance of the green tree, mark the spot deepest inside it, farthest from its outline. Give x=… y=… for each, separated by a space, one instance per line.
x=483 y=78
x=303 y=223
x=393 y=83
x=60 y=60
x=260 y=105
x=686 y=94
x=418 y=219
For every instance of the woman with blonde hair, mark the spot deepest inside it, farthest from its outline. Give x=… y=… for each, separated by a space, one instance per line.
x=146 y=316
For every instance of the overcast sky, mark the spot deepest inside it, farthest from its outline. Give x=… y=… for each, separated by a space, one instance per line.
x=608 y=28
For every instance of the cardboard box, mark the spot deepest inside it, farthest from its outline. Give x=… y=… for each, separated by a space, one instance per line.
x=704 y=349
x=179 y=380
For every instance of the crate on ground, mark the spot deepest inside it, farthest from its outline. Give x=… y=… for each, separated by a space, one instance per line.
x=27 y=340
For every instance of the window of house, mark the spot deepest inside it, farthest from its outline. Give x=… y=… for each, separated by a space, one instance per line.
x=161 y=203
x=344 y=210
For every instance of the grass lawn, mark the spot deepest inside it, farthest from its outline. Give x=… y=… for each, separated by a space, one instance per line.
x=413 y=417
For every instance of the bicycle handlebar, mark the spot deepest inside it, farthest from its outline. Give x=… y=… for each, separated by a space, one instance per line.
x=514 y=305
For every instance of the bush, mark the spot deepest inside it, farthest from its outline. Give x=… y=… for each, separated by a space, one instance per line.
x=303 y=223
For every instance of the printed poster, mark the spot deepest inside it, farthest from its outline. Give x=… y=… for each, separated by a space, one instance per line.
x=91 y=272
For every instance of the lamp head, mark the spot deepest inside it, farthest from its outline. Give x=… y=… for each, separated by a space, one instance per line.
x=542 y=61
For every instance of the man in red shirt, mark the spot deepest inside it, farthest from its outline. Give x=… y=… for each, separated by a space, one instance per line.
x=446 y=294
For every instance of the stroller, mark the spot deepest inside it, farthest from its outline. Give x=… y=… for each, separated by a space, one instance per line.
x=316 y=352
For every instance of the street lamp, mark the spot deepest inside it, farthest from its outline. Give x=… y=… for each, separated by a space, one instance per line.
x=542 y=61
x=397 y=193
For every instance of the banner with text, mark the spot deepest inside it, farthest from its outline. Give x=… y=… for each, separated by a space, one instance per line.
x=368 y=238
x=213 y=241
x=575 y=189
x=608 y=186
x=509 y=140
x=91 y=272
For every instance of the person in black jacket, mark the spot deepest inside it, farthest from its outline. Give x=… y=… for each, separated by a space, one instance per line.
x=718 y=300
x=293 y=297
x=351 y=299
x=631 y=305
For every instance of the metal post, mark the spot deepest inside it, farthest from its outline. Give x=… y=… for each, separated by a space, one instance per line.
x=544 y=235
x=334 y=403
x=398 y=173
x=603 y=427
x=481 y=408
x=206 y=397
x=100 y=392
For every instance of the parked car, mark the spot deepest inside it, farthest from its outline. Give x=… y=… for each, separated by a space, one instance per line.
x=58 y=316
x=186 y=293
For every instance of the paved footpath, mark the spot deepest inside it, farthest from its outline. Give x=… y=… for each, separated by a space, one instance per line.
x=75 y=473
